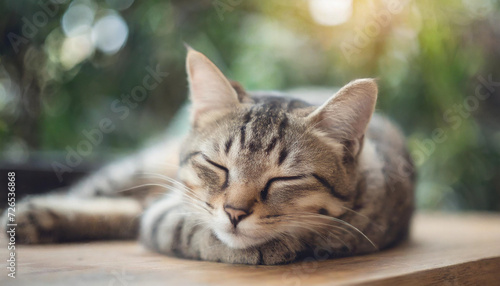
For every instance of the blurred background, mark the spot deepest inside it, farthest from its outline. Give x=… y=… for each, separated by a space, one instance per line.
x=85 y=81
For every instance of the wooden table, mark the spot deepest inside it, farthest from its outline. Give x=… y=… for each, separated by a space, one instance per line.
x=450 y=249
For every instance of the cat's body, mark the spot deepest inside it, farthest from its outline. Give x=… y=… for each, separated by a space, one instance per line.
x=260 y=180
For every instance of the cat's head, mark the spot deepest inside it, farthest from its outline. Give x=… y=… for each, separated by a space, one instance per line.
x=252 y=166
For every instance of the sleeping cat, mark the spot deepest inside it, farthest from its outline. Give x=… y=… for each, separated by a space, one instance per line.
x=261 y=179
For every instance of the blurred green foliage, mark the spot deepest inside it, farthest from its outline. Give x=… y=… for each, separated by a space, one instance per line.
x=433 y=60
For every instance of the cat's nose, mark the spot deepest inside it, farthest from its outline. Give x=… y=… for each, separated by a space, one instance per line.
x=235 y=214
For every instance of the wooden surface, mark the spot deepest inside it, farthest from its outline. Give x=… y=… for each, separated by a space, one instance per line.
x=461 y=249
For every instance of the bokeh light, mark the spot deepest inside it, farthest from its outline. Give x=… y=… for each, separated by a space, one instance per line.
x=78 y=18
x=109 y=33
x=330 y=12
x=76 y=49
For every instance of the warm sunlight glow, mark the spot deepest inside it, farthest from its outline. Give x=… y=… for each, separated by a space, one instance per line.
x=330 y=12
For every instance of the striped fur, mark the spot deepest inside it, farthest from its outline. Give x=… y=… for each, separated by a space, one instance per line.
x=261 y=179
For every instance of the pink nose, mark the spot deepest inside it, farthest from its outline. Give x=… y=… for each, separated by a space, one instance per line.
x=236 y=215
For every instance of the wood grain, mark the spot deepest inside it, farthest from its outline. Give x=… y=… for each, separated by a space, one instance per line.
x=449 y=249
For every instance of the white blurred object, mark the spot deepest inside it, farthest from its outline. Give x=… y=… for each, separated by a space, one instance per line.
x=481 y=8
x=330 y=12
x=110 y=33
x=77 y=19
x=76 y=49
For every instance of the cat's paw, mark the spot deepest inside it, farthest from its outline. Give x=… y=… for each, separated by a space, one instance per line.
x=271 y=253
x=284 y=257
x=35 y=222
x=279 y=252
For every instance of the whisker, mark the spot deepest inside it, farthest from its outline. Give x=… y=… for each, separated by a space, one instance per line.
x=140 y=186
x=286 y=218
x=325 y=239
x=193 y=201
x=364 y=216
x=170 y=180
x=311 y=215
x=334 y=226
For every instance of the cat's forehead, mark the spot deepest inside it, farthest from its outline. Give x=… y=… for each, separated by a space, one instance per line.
x=262 y=127
x=278 y=102
x=262 y=137
x=269 y=114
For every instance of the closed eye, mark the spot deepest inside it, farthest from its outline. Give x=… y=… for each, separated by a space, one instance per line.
x=220 y=167
x=265 y=191
x=215 y=164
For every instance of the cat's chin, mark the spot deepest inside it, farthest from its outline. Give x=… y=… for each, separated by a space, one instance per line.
x=238 y=240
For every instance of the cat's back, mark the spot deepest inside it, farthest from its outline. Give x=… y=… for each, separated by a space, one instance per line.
x=384 y=133
x=390 y=145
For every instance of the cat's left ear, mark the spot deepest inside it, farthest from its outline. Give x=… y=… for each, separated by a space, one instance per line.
x=211 y=92
x=345 y=116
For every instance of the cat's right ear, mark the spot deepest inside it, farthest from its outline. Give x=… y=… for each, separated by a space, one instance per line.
x=211 y=92
x=345 y=116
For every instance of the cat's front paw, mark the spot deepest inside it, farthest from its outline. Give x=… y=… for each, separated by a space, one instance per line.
x=35 y=223
x=279 y=252
x=272 y=253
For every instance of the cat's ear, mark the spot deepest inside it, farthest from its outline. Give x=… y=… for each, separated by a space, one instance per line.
x=211 y=92
x=345 y=116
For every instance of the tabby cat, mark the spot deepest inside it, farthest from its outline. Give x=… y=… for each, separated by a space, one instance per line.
x=261 y=179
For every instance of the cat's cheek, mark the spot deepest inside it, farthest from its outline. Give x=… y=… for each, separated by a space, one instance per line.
x=189 y=177
x=320 y=203
x=196 y=187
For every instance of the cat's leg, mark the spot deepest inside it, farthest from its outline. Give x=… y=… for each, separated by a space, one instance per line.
x=168 y=227
x=105 y=205
x=56 y=218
